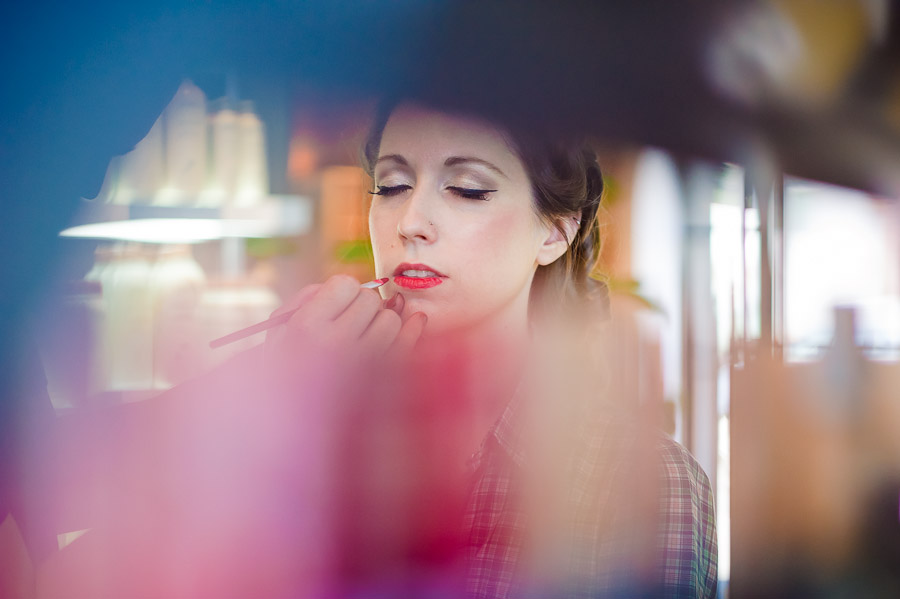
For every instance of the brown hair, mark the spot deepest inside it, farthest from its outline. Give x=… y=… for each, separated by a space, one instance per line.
x=567 y=183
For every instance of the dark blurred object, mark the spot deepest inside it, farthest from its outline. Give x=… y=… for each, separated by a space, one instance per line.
x=879 y=557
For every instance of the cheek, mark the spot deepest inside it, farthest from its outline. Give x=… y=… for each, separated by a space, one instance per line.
x=502 y=248
x=511 y=234
x=382 y=230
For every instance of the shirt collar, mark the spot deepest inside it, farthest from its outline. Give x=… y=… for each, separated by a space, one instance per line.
x=507 y=433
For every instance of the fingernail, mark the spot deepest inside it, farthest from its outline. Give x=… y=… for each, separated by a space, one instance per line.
x=392 y=301
x=400 y=303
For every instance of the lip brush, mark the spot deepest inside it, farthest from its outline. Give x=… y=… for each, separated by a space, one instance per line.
x=275 y=321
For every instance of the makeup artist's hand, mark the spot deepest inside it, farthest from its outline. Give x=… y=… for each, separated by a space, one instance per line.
x=340 y=316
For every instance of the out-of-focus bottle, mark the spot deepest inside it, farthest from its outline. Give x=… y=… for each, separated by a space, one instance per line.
x=843 y=368
x=96 y=305
x=253 y=177
x=128 y=326
x=178 y=283
x=103 y=255
x=186 y=147
x=224 y=140
x=110 y=187
x=140 y=171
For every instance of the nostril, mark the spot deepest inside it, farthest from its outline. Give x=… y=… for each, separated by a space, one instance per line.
x=414 y=224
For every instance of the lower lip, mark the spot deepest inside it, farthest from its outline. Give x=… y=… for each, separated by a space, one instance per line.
x=417 y=282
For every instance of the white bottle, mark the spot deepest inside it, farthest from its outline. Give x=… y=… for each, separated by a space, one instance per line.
x=178 y=283
x=224 y=142
x=98 y=353
x=109 y=189
x=140 y=171
x=103 y=255
x=253 y=176
x=186 y=147
x=128 y=328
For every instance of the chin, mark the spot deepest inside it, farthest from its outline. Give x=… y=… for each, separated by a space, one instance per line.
x=439 y=321
x=445 y=323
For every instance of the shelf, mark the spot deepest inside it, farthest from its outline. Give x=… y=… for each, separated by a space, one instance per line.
x=276 y=216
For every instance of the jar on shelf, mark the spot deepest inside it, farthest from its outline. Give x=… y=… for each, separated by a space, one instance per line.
x=177 y=284
x=127 y=332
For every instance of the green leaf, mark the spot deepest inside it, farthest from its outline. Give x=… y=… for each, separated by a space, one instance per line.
x=610 y=190
x=267 y=247
x=355 y=251
x=630 y=288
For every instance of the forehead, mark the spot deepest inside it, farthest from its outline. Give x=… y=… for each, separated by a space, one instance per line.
x=423 y=135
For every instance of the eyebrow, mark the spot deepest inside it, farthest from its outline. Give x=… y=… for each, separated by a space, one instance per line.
x=456 y=160
x=395 y=157
x=452 y=161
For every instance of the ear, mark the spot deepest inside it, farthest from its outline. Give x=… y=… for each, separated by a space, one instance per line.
x=555 y=243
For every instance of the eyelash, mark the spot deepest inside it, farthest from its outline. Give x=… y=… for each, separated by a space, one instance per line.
x=463 y=192
x=392 y=190
x=472 y=194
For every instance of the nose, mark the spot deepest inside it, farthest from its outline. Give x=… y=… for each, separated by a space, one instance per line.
x=416 y=221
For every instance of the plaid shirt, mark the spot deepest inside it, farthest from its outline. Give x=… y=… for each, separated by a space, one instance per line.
x=615 y=549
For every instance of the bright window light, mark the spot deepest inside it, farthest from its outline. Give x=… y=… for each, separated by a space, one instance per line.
x=171 y=230
x=840 y=250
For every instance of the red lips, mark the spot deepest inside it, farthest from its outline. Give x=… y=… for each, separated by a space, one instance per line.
x=417 y=282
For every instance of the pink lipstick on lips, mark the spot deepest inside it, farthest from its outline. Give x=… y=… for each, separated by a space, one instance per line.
x=417 y=276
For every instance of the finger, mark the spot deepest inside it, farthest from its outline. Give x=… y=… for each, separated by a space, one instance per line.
x=381 y=332
x=396 y=303
x=298 y=300
x=330 y=301
x=409 y=334
x=354 y=321
x=389 y=303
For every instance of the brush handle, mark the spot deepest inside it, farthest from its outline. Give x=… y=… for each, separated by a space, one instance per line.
x=253 y=329
x=265 y=325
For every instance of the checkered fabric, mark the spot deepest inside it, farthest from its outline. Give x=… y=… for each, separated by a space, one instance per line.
x=614 y=548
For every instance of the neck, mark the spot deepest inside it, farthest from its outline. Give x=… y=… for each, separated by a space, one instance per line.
x=479 y=368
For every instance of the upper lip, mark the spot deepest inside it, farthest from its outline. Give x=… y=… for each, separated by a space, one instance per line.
x=407 y=266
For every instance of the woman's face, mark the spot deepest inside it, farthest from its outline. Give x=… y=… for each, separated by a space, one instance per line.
x=453 y=222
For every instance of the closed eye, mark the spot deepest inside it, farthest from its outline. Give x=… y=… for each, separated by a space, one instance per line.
x=471 y=194
x=385 y=190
